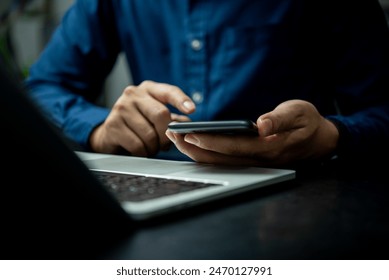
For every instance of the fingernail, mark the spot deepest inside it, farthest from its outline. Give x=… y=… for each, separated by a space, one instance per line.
x=267 y=126
x=188 y=105
x=171 y=136
x=189 y=138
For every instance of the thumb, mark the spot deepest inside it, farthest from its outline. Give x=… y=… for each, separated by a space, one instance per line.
x=265 y=126
x=287 y=116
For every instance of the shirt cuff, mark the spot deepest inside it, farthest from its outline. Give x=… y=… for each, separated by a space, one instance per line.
x=344 y=136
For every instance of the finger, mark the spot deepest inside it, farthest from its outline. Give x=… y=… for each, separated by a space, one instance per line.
x=158 y=117
x=289 y=115
x=206 y=156
x=137 y=134
x=145 y=115
x=169 y=94
x=179 y=118
x=232 y=145
x=126 y=112
x=133 y=144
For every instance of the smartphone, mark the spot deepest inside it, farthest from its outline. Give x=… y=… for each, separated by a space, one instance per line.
x=242 y=126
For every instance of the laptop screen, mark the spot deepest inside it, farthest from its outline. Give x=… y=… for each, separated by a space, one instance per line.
x=52 y=206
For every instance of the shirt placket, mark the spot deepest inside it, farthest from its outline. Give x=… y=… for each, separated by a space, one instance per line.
x=196 y=54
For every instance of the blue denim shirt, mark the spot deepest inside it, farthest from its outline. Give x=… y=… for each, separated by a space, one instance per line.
x=236 y=59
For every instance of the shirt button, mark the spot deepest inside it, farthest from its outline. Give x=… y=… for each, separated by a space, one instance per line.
x=196 y=45
x=197 y=97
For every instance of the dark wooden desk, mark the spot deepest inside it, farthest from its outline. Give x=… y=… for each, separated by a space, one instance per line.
x=326 y=213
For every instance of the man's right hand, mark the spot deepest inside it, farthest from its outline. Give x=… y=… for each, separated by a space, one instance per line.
x=139 y=118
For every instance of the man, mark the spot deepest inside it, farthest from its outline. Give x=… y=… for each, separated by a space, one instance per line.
x=313 y=77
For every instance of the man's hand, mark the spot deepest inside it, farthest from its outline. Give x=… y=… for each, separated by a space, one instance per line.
x=139 y=118
x=293 y=131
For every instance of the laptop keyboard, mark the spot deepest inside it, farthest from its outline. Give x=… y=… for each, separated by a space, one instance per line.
x=128 y=187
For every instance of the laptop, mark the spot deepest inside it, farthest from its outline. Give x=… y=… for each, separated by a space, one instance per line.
x=70 y=197
x=166 y=185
